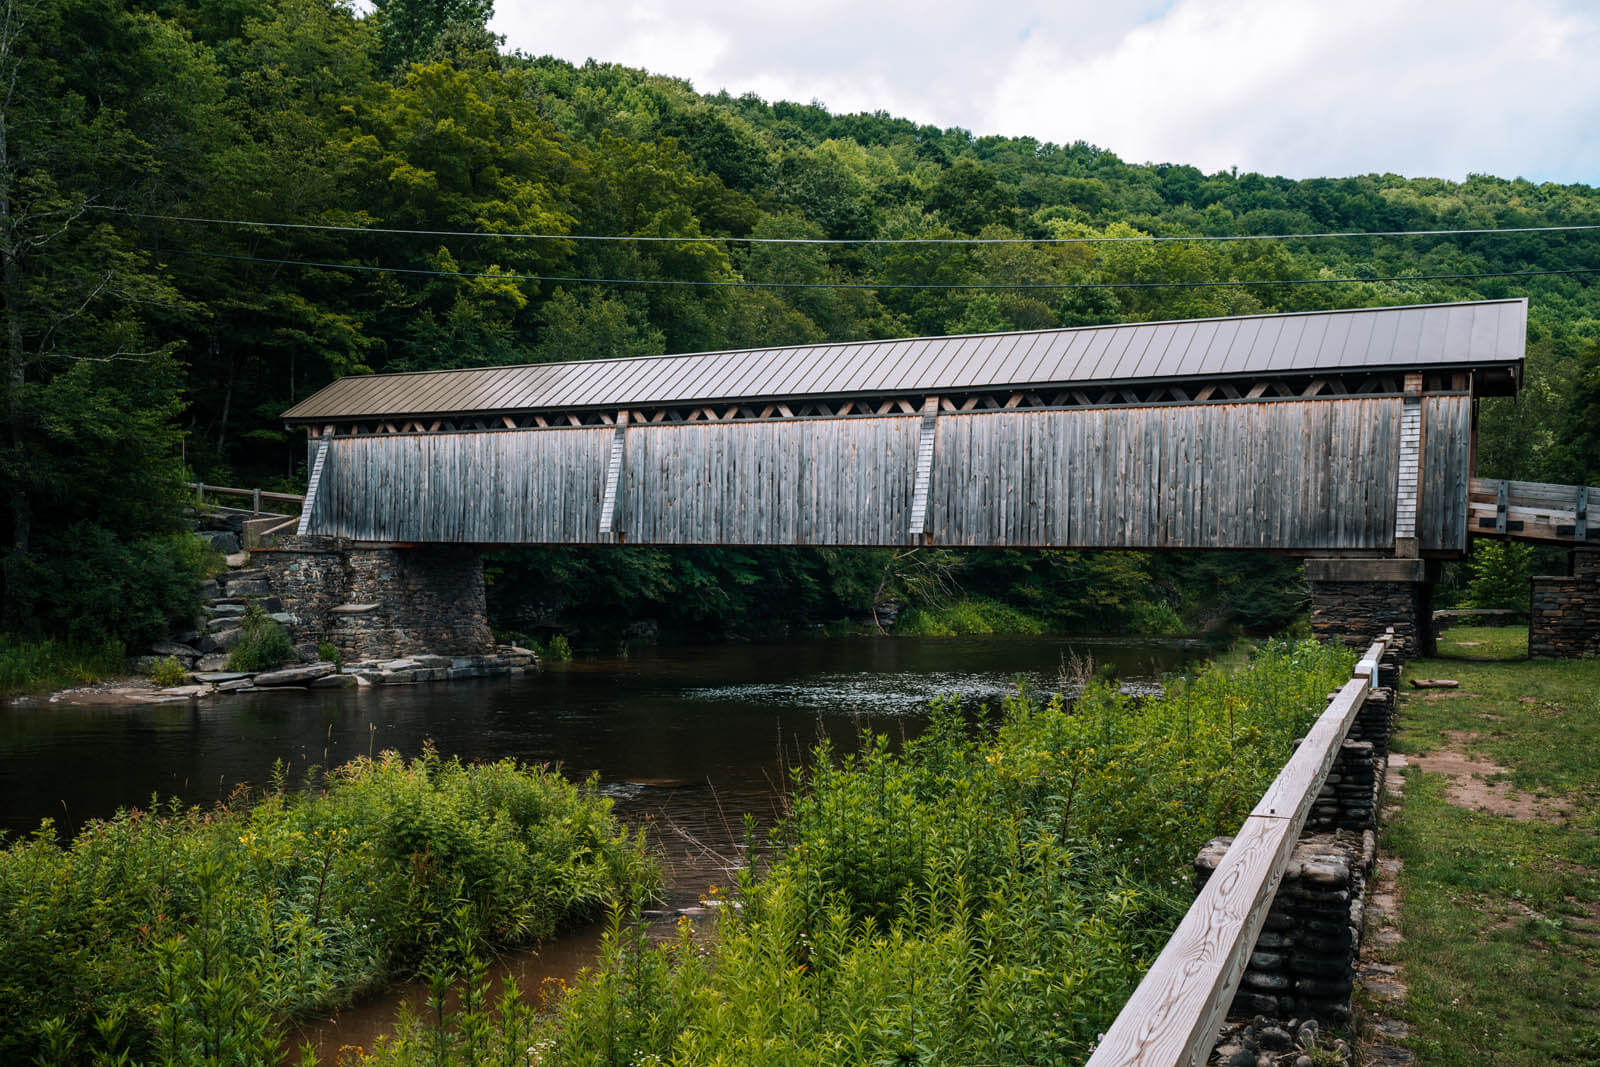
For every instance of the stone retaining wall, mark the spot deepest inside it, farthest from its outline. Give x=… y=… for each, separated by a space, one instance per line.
x=1357 y=612
x=1303 y=965
x=381 y=601
x=1564 y=612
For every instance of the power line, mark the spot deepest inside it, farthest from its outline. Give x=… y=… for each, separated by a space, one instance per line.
x=731 y=284
x=700 y=239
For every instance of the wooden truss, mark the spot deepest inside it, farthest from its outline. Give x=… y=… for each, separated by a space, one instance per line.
x=1115 y=394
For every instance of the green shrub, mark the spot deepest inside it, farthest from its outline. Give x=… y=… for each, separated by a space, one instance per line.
x=1501 y=571
x=263 y=644
x=198 y=929
x=167 y=672
x=87 y=585
x=29 y=665
x=328 y=652
x=966 y=615
x=558 y=650
x=988 y=894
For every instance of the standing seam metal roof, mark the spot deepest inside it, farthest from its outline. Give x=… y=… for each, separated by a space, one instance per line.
x=1477 y=333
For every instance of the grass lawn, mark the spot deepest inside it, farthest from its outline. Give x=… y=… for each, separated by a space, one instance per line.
x=1499 y=834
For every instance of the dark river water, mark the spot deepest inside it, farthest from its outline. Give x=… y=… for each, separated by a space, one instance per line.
x=685 y=739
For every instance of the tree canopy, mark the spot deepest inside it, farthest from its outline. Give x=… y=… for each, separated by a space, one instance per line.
x=139 y=337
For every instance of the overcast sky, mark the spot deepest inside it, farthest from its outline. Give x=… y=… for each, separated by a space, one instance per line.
x=1303 y=88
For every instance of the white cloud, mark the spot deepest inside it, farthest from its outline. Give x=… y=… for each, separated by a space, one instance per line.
x=1297 y=87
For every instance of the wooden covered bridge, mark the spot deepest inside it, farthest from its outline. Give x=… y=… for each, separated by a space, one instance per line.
x=1344 y=436
x=1311 y=433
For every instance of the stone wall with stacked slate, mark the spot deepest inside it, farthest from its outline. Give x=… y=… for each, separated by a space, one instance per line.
x=381 y=601
x=1303 y=965
x=1564 y=612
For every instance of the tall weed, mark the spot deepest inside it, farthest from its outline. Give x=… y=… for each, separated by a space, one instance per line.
x=195 y=931
x=989 y=894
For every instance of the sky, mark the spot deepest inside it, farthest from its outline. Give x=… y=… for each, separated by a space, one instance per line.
x=1301 y=88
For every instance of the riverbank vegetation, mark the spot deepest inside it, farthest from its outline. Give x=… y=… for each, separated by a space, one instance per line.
x=182 y=936
x=989 y=892
x=142 y=340
x=1499 y=837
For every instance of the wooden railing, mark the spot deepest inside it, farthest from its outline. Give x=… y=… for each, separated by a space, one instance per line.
x=256 y=495
x=1532 y=511
x=257 y=533
x=1173 y=1016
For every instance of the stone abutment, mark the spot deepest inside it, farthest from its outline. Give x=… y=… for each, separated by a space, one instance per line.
x=1355 y=600
x=378 y=601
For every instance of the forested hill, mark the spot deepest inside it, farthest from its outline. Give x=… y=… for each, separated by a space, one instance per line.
x=390 y=163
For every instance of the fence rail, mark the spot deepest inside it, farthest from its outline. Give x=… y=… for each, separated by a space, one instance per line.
x=256 y=495
x=1172 y=1018
x=1532 y=511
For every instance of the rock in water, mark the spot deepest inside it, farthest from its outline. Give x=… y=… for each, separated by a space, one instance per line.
x=294 y=675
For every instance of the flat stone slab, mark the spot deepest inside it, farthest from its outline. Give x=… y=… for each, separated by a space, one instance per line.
x=353 y=609
x=214 y=677
x=233 y=686
x=399 y=665
x=187 y=691
x=294 y=675
x=334 y=681
x=238 y=559
x=229 y=607
x=172 y=648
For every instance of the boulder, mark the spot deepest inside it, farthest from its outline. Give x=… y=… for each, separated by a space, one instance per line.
x=209 y=589
x=283 y=618
x=224 y=541
x=294 y=675
x=190 y=691
x=172 y=648
x=238 y=559
x=248 y=587
x=220 y=640
x=218 y=610
x=217 y=661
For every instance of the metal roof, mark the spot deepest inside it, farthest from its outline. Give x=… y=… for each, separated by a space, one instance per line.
x=1474 y=334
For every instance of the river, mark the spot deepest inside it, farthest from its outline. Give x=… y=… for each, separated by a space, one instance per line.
x=687 y=740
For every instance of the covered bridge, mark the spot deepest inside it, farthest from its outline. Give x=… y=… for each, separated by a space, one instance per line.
x=1315 y=433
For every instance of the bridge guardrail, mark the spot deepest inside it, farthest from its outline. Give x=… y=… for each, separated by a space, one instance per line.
x=1173 y=1016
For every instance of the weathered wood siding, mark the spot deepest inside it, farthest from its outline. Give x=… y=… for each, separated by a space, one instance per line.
x=527 y=487
x=1293 y=475
x=1446 y=458
x=806 y=482
x=1287 y=474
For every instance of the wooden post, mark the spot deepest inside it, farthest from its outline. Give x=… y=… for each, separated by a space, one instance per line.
x=919 y=497
x=608 y=506
x=311 y=488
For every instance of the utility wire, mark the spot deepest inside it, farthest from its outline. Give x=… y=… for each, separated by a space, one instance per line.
x=688 y=283
x=700 y=239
